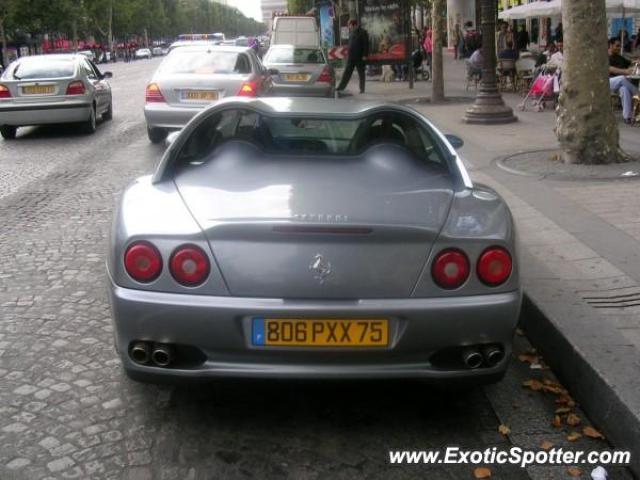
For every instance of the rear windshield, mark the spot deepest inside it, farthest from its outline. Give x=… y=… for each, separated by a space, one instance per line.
x=205 y=62
x=310 y=136
x=294 y=55
x=38 y=68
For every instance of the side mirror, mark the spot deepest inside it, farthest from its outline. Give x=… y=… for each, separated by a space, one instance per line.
x=107 y=75
x=171 y=138
x=455 y=141
x=274 y=71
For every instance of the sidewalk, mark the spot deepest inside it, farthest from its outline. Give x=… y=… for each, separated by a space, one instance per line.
x=580 y=253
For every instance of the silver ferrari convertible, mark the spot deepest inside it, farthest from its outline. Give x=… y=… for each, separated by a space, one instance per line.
x=295 y=238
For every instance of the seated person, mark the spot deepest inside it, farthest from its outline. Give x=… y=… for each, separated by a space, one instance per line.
x=475 y=62
x=508 y=53
x=557 y=58
x=545 y=56
x=619 y=68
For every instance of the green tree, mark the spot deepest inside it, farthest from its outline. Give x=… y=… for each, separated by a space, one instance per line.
x=299 y=7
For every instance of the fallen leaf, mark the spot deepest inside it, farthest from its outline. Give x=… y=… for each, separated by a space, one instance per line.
x=573 y=419
x=562 y=410
x=482 y=472
x=504 y=430
x=557 y=421
x=553 y=389
x=546 y=445
x=592 y=432
x=519 y=332
x=515 y=405
x=574 y=472
x=534 y=385
x=528 y=358
x=573 y=436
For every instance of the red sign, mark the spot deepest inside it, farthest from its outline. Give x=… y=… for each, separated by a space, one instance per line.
x=337 y=53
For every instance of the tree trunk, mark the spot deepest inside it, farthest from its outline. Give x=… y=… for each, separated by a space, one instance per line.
x=439 y=7
x=3 y=38
x=74 y=31
x=110 y=29
x=585 y=125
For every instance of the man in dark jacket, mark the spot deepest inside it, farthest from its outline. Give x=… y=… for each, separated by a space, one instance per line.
x=358 y=52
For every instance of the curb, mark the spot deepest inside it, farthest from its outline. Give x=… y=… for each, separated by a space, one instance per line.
x=587 y=383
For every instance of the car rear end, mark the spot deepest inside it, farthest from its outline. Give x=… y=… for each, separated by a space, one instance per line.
x=44 y=90
x=192 y=78
x=302 y=72
x=287 y=260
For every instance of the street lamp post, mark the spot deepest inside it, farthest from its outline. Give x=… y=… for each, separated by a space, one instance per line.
x=489 y=108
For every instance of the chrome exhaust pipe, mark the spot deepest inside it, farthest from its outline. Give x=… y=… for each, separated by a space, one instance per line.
x=162 y=354
x=493 y=355
x=139 y=352
x=472 y=358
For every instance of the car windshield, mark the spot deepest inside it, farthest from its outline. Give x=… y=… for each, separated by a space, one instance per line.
x=310 y=135
x=205 y=62
x=294 y=55
x=32 y=68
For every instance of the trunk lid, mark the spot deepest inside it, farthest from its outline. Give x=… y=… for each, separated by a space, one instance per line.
x=186 y=90
x=318 y=227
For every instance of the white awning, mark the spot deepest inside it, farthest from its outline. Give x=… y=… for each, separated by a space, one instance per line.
x=554 y=9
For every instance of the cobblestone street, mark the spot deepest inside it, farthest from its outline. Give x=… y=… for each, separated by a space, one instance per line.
x=68 y=411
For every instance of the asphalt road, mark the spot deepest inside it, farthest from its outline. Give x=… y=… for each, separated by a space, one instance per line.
x=67 y=410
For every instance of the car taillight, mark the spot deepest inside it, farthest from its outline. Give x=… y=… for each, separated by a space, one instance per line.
x=143 y=261
x=75 y=88
x=325 y=76
x=153 y=93
x=4 y=92
x=450 y=269
x=494 y=266
x=189 y=265
x=248 y=89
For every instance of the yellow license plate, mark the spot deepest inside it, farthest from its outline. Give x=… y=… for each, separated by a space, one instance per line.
x=295 y=332
x=297 y=77
x=207 y=95
x=37 y=89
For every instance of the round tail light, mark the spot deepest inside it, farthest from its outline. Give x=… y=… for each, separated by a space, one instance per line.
x=494 y=266
x=189 y=265
x=143 y=261
x=450 y=268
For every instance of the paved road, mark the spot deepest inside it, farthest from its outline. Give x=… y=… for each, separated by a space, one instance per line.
x=67 y=411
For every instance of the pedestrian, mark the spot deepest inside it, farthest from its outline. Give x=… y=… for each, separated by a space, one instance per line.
x=358 y=53
x=559 y=33
x=502 y=37
x=458 y=42
x=427 y=44
x=522 y=38
x=619 y=69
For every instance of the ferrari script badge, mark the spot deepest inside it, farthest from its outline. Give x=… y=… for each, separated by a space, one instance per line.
x=320 y=267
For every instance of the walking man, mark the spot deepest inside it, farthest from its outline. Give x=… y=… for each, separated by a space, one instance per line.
x=358 y=52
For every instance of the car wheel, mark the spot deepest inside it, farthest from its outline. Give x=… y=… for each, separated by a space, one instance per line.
x=90 y=124
x=8 y=132
x=157 y=135
x=108 y=115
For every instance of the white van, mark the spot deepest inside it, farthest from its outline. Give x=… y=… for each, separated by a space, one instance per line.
x=297 y=31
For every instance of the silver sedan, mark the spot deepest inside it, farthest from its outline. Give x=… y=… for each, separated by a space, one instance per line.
x=192 y=77
x=46 y=89
x=284 y=238
x=302 y=71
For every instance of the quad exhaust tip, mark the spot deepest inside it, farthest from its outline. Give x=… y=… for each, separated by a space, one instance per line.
x=472 y=358
x=140 y=352
x=162 y=355
x=493 y=355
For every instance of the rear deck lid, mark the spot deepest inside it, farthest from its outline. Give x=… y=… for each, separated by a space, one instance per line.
x=318 y=227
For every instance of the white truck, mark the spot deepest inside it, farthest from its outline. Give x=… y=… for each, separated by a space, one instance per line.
x=295 y=30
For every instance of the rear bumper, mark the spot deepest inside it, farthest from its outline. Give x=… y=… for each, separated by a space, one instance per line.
x=288 y=90
x=161 y=115
x=39 y=114
x=220 y=328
